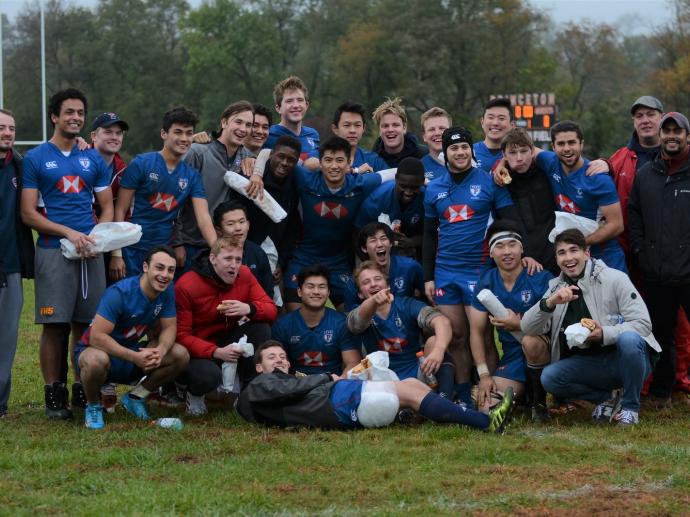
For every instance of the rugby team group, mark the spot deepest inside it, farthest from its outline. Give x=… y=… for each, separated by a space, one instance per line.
x=382 y=250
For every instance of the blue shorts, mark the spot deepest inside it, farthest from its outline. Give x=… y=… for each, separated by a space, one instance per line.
x=512 y=365
x=407 y=371
x=337 y=281
x=455 y=287
x=120 y=372
x=134 y=260
x=345 y=398
x=611 y=254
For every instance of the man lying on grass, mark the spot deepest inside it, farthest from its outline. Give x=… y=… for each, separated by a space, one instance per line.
x=276 y=398
x=110 y=349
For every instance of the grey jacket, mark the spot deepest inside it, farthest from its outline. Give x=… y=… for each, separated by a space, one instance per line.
x=211 y=160
x=607 y=292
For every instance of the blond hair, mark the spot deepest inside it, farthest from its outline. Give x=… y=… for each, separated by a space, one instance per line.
x=435 y=112
x=226 y=243
x=367 y=265
x=390 y=107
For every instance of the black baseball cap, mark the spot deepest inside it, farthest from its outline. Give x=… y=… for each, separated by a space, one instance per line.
x=107 y=120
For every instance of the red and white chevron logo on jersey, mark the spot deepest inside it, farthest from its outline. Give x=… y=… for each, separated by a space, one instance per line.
x=392 y=345
x=566 y=204
x=70 y=184
x=163 y=201
x=456 y=213
x=313 y=359
x=135 y=331
x=330 y=210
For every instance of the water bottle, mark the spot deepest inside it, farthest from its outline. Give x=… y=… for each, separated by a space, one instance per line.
x=169 y=423
x=430 y=379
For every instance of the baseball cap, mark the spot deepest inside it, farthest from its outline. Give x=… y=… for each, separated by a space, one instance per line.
x=648 y=102
x=107 y=120
x=679 y=118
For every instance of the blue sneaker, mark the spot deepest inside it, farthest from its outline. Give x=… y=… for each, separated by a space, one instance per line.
x=93 y=416
x=135 y=406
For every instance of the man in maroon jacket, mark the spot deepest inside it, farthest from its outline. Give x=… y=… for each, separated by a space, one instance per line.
x=218 y=302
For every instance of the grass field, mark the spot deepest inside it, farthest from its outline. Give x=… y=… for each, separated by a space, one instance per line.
x=220 y=465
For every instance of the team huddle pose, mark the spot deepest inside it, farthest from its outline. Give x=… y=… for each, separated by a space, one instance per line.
x=456 y=258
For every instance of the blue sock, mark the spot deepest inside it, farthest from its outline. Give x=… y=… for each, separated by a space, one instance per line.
x=464 y=393
x=438 y=409
x=446 y=380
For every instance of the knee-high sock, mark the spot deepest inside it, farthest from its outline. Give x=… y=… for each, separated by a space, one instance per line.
x=446 y=380
x=439 y=409
x=534 y=378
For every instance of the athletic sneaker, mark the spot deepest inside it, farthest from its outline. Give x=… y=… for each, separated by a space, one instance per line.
x=93 y=416
x=195 y=405
x=499 y=417
x=171 y=395
x=56 y=396
x=626 y=417
x=109 y=397
x=605 y=411
x=136 y=406
x=78 y=396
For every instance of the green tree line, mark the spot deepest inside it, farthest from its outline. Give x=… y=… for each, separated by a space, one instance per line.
x=142 y=57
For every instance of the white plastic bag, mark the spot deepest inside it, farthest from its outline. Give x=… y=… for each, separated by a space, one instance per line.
x=576 y=335
x=229 y=369
x=378 y=369
x=108 y=237
x=566 y=221
x=268 y=204
x=495 y=307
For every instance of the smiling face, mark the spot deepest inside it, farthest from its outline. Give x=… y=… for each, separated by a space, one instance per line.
x=571 y=259
x=71 y=119
x=350 y=127
x=370 y=282
x=159 y=273
x=392 y=131
x=334 y=167
x=495 y=124
x=236 y=128
x=378 y=248
x=646 y=122
x=674 y=139
x=314 y=292
x=459 y=157
x=408 y=187
x=273 y=358
x=293 y=107
x=108 y=140
x=507 y=254
x=433 y=132
x=568 y=147
x=259 y=133
x=7 y=133
x=283 y=161
x=227 y=264
x=177 y=139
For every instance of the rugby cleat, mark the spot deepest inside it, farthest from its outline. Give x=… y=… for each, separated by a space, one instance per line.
x=500 y=415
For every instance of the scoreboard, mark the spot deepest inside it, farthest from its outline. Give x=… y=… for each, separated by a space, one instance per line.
x=535 y=112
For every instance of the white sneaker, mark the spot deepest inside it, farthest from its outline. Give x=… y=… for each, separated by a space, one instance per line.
x=196 y=405
x=626 y=417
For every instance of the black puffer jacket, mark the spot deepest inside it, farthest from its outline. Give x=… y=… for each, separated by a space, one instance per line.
x=659 y=220
x=281 y=399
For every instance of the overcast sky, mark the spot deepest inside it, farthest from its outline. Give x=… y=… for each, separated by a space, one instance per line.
x=634 y=16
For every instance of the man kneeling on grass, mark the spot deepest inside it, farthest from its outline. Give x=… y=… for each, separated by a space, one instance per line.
x=618 y=351
x=276 y=398
x=110 y=349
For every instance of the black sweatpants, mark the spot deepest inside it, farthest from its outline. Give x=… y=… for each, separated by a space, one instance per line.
x=204 y=375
